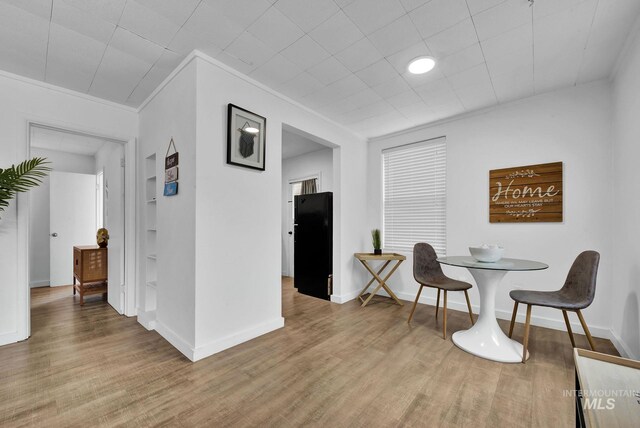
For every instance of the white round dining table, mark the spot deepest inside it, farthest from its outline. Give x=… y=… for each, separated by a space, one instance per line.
x=486 y=339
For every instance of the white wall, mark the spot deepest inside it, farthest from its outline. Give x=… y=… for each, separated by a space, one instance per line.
x=626 y=212
x=40 y=208
x=571 y=125
x=238 y=211
x=108 y=160
x=314 y=163
x=22 y=100
x=172 y=114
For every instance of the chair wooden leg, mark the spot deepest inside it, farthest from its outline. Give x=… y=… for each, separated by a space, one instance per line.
x=586 y=330
x=466 y=295
x=444 y=317
x=513 y=318
x=437 y=304
x=414 y=305
x=526 y=334
x=566 y=321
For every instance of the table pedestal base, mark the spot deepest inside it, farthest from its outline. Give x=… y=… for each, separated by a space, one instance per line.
x=486 y=339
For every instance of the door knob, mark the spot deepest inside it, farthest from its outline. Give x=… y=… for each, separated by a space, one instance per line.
x=290 y=233
x=54 y=234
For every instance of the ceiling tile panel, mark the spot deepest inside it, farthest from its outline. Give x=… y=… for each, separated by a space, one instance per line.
x=371 y=15
x=391 y=87
x=108 y=10
x=307 y=14
x=305 y=52
x=462 y=60
x=501 y=18
x=400 y=60
x=377 y=73
x=301 y=85
x=72 y=58
x=513 y=86
x=148 y=23
x=250 y=51
x=438 y=15
x=210 y=24
x=398 y=35
x=474 y=76
x=512 y=41
x=275 y=30
x=329 y=70
x=404 y=99
x=176 y=11
x=477 y=6
x=477 y=96
x=359 y=55
x=136 y=46
x=40 y=8
x=276 y=71
x=336 y=33
x=185 y=41
x=241 y=12
x=118 y=75
x=82 y=22
x=453 y=39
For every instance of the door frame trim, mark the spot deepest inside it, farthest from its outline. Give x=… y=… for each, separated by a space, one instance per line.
x=128 y=293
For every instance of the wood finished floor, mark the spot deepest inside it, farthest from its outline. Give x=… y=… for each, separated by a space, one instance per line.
x=331 y=366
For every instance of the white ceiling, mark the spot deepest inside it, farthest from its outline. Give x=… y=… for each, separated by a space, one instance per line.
x=50 y=139
x=344 y=58
x=295 y=145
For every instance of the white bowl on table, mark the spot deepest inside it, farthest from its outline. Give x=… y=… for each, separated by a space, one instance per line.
x=487 y=253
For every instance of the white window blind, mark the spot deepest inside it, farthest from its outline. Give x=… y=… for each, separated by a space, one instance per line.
x=414 y=195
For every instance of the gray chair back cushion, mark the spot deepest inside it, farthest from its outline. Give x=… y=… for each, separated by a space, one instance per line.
x=580 y=285
x=425 y=267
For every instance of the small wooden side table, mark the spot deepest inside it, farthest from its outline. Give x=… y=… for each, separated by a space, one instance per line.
x=90 y=270
x=387 y=258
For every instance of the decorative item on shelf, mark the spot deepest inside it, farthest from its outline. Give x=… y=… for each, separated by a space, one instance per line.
x=171 y=170
x=531 y=193
x=487 y=253
x=20 y=178
x=102 y=238
x=246 y=138
x=376 y=241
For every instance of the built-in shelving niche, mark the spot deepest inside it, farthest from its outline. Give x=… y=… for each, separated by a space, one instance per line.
x=151 y=259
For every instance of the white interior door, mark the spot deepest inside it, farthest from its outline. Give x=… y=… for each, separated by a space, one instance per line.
x=72 y=221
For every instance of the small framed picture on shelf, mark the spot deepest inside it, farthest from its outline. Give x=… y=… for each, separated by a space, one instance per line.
x=246 y=139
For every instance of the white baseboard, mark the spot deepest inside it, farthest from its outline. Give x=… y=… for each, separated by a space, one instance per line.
x=36 y=284
x=237 y=338
x=147 y=319
x=179 y=343
x=621 y=346
x=344 y=298
x=9 y=338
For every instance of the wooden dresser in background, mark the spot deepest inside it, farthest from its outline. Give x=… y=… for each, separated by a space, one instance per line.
x=90 y=271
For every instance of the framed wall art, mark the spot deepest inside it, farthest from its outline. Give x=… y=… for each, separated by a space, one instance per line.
x=246 y=139
x=525 y=194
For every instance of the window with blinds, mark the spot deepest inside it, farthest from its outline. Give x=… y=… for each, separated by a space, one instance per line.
x=414 y=195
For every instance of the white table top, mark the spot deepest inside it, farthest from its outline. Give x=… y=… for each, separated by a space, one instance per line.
x=502 y=264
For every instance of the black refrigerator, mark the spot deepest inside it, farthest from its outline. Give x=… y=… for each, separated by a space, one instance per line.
x=313 y=244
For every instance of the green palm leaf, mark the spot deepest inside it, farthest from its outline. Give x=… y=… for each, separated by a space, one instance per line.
x=20 y=178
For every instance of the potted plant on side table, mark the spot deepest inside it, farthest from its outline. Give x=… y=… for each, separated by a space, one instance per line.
x=376 y=241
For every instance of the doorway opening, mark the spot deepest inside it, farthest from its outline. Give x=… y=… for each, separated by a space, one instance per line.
x=85 y=190
x=307 y=168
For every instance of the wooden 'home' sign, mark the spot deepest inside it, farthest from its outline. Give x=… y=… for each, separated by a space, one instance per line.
x=531 y=193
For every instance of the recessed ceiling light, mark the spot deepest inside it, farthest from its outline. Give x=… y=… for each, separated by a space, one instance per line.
x=421 y=65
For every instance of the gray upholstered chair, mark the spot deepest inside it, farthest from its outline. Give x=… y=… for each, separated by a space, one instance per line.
x=576 y=294
x=428 y=273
